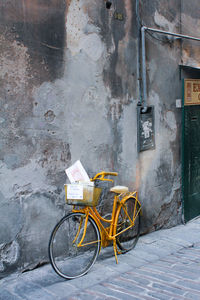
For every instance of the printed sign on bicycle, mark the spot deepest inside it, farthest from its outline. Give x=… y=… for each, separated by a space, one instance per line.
x=74 y=191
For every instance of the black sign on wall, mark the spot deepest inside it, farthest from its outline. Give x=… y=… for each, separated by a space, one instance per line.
x=146 y=130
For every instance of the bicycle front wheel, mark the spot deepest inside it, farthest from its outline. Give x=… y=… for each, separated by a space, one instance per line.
x=128 y=224
x=74 y=245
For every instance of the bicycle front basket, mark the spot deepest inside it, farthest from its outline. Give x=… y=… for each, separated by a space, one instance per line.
x=82 y=194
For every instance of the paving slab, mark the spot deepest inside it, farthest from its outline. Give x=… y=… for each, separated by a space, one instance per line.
x=164 y=265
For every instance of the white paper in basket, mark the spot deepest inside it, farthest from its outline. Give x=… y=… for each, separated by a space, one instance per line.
x=74 y=191
x=77 y=173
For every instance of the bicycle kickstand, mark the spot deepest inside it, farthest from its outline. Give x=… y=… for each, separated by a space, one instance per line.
x=115 y=250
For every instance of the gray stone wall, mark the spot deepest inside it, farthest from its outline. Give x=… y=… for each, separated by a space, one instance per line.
x=68 y=91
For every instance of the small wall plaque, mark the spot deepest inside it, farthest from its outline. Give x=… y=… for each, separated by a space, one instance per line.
x=192 y=92
x=118 y=16
x=146 y=131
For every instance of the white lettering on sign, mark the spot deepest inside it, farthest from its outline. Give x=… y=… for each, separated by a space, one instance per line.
x=74 y=191
x=147 y=129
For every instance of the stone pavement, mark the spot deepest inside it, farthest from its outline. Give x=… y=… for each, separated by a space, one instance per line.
x=164 y=265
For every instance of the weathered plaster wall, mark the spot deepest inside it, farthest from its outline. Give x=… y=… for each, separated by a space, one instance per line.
x=161 y=168
x=191 y=26
x=68 y=91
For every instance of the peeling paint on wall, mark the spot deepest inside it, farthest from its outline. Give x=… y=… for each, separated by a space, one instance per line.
x=14 y=61
x=164 y=23
x=9 y=254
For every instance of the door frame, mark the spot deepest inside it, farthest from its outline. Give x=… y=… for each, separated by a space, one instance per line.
x=183 y=154
x=185 y=219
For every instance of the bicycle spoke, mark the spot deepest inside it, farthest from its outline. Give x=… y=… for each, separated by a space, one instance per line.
x=74 y=245
x=128 y=225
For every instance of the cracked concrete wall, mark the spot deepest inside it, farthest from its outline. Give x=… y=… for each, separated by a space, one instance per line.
x=68 y=91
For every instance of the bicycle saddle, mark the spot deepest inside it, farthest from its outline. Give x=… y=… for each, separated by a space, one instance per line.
x=118 y=189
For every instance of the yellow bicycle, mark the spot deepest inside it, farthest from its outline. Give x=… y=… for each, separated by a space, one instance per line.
x=77 y=238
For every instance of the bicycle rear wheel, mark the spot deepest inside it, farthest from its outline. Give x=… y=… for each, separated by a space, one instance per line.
x=68 y=258
x=129 y=212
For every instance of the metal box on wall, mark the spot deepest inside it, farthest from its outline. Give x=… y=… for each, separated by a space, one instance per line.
x=146 y=130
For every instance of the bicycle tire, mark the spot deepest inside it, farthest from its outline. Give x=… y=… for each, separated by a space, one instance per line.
x=68 y=260
x=128 y=239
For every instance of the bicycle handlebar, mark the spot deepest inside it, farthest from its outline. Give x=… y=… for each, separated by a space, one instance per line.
x=101 y=175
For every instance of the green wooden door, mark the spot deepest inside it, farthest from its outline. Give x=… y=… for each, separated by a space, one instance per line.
x=191 y=161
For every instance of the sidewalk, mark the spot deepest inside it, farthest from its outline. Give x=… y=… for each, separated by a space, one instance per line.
x=164 y=265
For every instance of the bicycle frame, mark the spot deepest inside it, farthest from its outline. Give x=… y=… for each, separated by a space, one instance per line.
x=109 y=233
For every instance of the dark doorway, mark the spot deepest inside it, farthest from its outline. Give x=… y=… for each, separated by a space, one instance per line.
x=191 y=143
